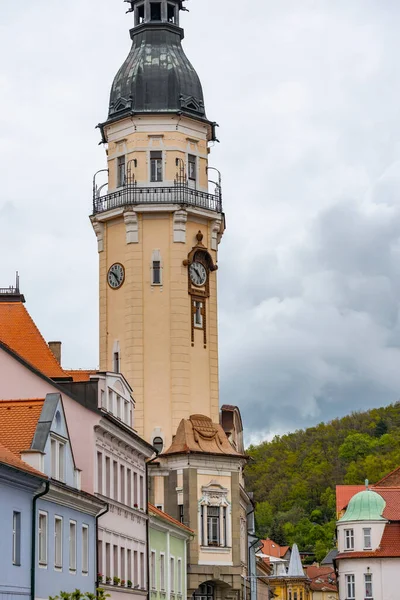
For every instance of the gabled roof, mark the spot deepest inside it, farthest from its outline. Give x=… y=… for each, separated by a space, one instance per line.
x=18 y=422
x=199 y=435
x=322 y=578
x=80 y=374
x=19 y=332
x=159 y=513
x=392 y=479
x=389 y=548
x=392 y=498
x=271 y=548
x=11 y=460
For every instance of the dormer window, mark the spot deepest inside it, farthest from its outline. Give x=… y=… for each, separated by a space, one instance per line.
x=155 y=11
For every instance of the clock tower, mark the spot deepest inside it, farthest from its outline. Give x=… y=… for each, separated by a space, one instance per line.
x=158 y=221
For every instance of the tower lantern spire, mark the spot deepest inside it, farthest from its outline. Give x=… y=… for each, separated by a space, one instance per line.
x=161 y=11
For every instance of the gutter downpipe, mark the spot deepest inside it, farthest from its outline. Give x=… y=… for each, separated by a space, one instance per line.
x=33 y=549
x=147 y=530
x=105 y=511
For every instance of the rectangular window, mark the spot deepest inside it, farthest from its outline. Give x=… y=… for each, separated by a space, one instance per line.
x=295 y=596
x=198 y=314
x=57 y=449
x=368 y=585
x=155 y=11
x=121 y=171
x=85 y=549
x=16 y=540
x=213 y=525
x=290 y=595
x=122 y=470
x=156 y=170
x=350 y=587
x=42 y=538
x=141 y=492
x=171 y=13
x=126 y=416
x=192 y=167
x=162 y=572
x=116 y=362
x=142 y=580
x=153 y=570
x=202 y=511
x=172 y=573
x=99 y=473
x=108 y=476
x=181 y=513
x=72 y=546
x=129 y=486
x=58 y=542
x=140 y=14
x=349 y=539
x=108 y=560
x=123 y=564
x=135 y=568
x=115 y=475
x=115 y=560
x=129 y=561
x=179 y=576
x=156 y=270
x=367 y=538
x=135 y=491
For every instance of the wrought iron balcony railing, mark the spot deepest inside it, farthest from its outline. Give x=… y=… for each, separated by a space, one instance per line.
x=179 y=193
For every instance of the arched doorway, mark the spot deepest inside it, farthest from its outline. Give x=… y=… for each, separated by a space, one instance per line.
x=204 y=592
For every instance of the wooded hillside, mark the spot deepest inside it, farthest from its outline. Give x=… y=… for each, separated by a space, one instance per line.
x=293 y=477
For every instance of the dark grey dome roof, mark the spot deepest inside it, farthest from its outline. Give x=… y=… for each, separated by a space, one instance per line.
x=157 y=76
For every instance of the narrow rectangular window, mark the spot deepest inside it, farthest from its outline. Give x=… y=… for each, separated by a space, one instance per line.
x=349 y=539
x=72 y=546
x=108 y=476
x=53 y=451
x=108 y=560
x=155 y=11
x=224 y=528
x=129 y=486
x=295 y=596
x=198 y=314
x=156 y=272
x=58 y=542
x=153 y=570
x=141 y=492
x=290 y=595
x=156 y=169
x=140 y=14
x=171 y=13
x=162 y=572
x=135 y=491
x=116 y=362
x=135 y=568
x=61 y=461
x=126 y=416
x=368 y=585
x=367 y=538
x=121 y=171
x=172 y=574
x=213 y=525
x=122 y=471
x=192 y=167
x=122 y=565
x=179 y=576
x=85 y=549
x=115 y=475
x=16 y=541
x=181 y=514
x=99 y=473
x=202 y=524
x=129 y=561
x=42 y=538
x=142 y=570
x=100 y=556
x=350 y=587
x=115 y=560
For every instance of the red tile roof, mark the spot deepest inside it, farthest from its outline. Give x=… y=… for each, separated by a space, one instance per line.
x=389 y=548
x=18 y=422
x=159 y=513
x=80 y=374
x=271 y=548
x=392 y=479
x=392 y=499
x=19 y=332
x=321 y=578
x=344 y=494
x=11 y=460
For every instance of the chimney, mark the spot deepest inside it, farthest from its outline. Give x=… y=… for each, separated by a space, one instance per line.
x=55 y=347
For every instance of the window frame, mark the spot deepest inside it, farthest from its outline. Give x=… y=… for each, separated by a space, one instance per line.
x=350 y=582
x=85 y=555
x=366 y=583
x=172 y=576
x=153 y=572
x=58 y=541
x=198 y=314
x=367 y=536
x=179 y=576
x=156 y=166
x=162 y=572
x=159 y=5
x=72 y=547
x=57 y=457
x=213 y=523
x=349 y=540
x=121 y=171
x=16 y=538
x=43 y=543
x=156 y=272
x=192 y=167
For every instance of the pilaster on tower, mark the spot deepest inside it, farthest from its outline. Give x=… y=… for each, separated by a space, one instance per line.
x=158 y=221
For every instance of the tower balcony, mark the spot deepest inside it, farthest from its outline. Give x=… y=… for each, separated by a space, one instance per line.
x=134 y=194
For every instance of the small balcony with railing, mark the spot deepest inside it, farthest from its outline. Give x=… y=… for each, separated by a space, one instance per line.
x=182 y=192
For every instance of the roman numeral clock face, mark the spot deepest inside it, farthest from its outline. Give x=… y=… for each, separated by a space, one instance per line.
x=198 y=273
x=116 y=276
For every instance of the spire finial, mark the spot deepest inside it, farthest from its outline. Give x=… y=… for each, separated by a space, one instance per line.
x=367 y=484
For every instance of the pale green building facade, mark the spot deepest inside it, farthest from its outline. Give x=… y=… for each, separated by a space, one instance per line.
x=167 y=556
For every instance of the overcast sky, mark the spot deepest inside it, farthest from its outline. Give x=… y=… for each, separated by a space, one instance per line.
x=306 y=93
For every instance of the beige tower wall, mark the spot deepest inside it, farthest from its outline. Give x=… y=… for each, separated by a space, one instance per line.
x=151 y=325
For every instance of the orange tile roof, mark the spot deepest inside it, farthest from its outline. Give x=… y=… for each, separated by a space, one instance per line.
x=18 y=422
x=19 y=332
x=322 y=578
x=392 y=479
x=344 y=494
x=392 y=499
x=271 y=548
x=80 y=374
x=389 y=548
x=11 y=460
x=159 y=513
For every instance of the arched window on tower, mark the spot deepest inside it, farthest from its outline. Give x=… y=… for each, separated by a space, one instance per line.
x=158 y=444
x=155 y=11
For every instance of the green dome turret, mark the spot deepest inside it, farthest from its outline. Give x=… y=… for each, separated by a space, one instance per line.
x=365 y=506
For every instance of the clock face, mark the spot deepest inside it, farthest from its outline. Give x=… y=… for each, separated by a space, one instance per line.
x=198 y=273
x=116 y=276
